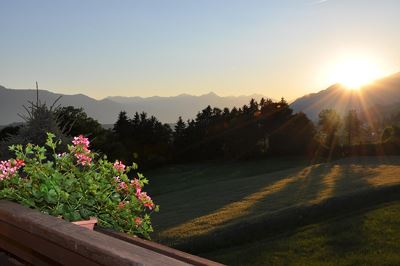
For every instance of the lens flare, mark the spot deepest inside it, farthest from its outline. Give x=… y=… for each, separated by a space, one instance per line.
x=353 y=73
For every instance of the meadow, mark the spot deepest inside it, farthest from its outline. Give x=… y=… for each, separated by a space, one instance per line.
x=209 y=208
x=367 y=237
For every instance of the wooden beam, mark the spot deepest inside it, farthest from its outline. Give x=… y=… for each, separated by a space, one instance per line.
x=170 y=252
x=41 y=239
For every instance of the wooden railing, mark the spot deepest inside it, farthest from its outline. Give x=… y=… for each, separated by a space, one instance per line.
x=39 y=239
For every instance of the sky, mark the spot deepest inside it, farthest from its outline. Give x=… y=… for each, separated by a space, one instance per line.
x=144 y=48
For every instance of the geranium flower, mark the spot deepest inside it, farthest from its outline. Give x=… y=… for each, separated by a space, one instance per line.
x=9 y=168
x=81 y=141
x=138 y=221
x=146 y=200
x=123 y=185
x=81 y=150
x=119 y=166
x=135 y=184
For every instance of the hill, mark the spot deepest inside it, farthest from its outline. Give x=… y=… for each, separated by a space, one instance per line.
x=253 y=199
x=374 y=97
x=166 y=109
x=376 y=100
x=366 y=237
x=12 y=102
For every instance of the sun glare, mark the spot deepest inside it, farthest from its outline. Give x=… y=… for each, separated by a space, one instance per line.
x=355 y=72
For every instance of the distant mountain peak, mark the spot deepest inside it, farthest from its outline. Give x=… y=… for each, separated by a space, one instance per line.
x=211 y=93
x=166 y=109
x=184 y=95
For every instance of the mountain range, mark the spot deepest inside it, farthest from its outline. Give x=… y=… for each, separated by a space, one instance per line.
x=166 y=109
x=375 y=100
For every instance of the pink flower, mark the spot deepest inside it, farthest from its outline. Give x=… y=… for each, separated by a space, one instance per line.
x=81 y=141
x=138 y=221
x=83 y=159
x=9 y=168
x=135 y=184
x=81 y=150
x=119 y=166
x=146 y=200
x=138 y=191
x=123 y=185
x=122 y=204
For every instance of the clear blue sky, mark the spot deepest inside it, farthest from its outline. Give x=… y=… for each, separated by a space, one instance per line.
x=167 y=47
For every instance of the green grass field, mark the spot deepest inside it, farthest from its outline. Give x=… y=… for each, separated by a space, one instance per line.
x=368 y=238
x=180 y=177
x=201 y=203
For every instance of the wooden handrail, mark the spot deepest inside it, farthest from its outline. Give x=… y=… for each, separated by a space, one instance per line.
x=41 y=239
x=170 y=252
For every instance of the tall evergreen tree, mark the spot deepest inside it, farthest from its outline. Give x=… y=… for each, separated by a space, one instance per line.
x=352 y=127
x=329 y=124
x=122 y=126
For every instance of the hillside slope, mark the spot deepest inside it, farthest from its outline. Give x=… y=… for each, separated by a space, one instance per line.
x=204 y=211
x=374 y=96
x=366 y=237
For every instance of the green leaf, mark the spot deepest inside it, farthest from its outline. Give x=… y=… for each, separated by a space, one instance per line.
x=64 y=195
x=43 y=188
x=59 y=210
x=37 y=193
x=72 y=216
x=85 y=213
x=52 y=196
x=115 y=197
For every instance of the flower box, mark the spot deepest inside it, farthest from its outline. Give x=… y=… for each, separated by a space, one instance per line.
x=76 y=185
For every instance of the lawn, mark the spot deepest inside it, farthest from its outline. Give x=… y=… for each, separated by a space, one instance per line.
x=185 y=176
x=200 y=203
x=368 y=237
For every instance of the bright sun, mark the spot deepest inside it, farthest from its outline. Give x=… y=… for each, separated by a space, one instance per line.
x=353 y=73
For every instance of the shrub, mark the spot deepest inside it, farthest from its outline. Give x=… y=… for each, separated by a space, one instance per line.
x=77 y=185
x=39 y=120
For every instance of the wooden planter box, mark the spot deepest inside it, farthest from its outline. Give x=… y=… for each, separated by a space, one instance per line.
x=41 y=239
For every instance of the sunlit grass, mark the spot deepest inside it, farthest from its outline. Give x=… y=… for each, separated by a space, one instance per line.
x=367 y=238
x=201 y=208
x=232 y=211
x=179 y=177
x=329 y=181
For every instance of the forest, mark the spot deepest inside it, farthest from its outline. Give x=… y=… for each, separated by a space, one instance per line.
x=259 y=129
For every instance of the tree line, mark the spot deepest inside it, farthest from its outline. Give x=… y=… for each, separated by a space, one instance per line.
x=264 y=128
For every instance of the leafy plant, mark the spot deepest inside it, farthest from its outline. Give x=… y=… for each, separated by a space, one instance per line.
x=77 y=185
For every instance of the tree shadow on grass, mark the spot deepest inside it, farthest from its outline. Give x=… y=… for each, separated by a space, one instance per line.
x=183 y=206
x=347 y=240
x=301 y=191
x=250 y=214
x=285 y=191
x=176 y=178
x=343 y=237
